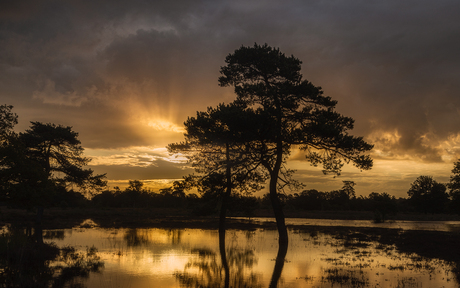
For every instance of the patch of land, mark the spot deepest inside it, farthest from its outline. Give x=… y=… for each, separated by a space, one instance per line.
x=54 y=218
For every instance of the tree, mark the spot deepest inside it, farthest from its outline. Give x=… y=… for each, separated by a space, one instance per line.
x=383 y=204
x=58 y=151
x=135 y=185
x=454 y=187
x=216 y=144
x=18 y=174
x=427 y=195
x=309 y=200
x=349 y=189
x=42 y=160
x=296 y=113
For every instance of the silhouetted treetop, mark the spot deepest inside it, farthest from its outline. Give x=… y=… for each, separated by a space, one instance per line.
x=57 y=150
x=267 y=79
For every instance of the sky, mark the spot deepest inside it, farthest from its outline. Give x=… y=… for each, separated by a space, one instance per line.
x=127 y=74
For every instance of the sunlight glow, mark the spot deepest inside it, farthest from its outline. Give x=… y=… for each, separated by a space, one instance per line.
x=133 y=156
x=163 y=125
x=383 y=141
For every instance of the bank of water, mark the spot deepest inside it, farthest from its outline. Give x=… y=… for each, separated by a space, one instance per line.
x=158 y=257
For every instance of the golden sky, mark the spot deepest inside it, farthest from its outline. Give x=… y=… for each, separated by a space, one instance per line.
x=127 y=74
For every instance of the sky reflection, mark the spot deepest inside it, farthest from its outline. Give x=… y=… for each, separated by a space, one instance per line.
x=174 y=257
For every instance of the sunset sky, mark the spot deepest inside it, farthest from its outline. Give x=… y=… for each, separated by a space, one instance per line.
x=127 y=74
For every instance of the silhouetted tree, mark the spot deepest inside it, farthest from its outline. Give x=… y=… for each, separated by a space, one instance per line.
x=19 y=174
x=58 y=151
x=216 y=145
x=135 y=185
x=454 y=188
x=382 y=204
x=295 y=113
x=308 y=200
x=349 y=188
x=427 y=195
x=338 y=200
x=39 y=162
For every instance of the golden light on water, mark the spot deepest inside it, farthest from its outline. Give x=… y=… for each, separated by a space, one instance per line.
x=150 y=257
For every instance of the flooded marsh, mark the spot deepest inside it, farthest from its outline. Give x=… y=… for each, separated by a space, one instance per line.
x=317 y=256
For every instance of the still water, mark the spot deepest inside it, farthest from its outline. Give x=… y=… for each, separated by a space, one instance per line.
x=447 y=226
x=155 y=257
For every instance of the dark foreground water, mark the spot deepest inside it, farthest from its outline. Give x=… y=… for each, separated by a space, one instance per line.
x=316 y=257
x=191 y=258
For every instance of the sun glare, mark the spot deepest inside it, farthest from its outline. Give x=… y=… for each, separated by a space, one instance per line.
x=163 y=125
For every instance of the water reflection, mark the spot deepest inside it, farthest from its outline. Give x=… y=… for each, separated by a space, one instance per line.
x=321 y=257
x=235 y=268
x=26 y=261
x=204 y=269
x=54 y=234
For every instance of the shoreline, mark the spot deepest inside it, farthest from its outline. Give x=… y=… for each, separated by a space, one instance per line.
x=141 y=217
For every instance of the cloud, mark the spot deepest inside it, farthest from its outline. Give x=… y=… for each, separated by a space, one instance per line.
x=134 y=156
x=129 y=73
x=163 y=170
x=49 y=95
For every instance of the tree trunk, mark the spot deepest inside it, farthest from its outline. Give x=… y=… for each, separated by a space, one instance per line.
x=278 y=210
x=222 y=216
x=226 y=196
x=274 y=173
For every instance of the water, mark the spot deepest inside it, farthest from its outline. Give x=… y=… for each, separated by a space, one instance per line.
x=447 y=226
x=154 y=257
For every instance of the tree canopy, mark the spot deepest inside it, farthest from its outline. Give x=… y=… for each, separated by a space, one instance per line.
x=218 y=139
x=40 y=161
x=58 y=151
x=427 y=195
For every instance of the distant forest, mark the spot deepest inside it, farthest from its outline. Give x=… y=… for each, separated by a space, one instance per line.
x=420 y=200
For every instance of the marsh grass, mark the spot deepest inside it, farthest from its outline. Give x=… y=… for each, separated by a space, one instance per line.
x=347 y=278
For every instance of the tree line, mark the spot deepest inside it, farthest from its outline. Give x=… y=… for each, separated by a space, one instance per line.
x=425 y=195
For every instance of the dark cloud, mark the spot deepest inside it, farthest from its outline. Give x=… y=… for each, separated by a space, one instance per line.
x=109 y=68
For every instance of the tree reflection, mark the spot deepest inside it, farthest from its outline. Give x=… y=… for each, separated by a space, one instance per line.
x=54 y=234
x=134 y=238
x=233 y=269
x=279 y=264
x=137 y=237
x=25 y=261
